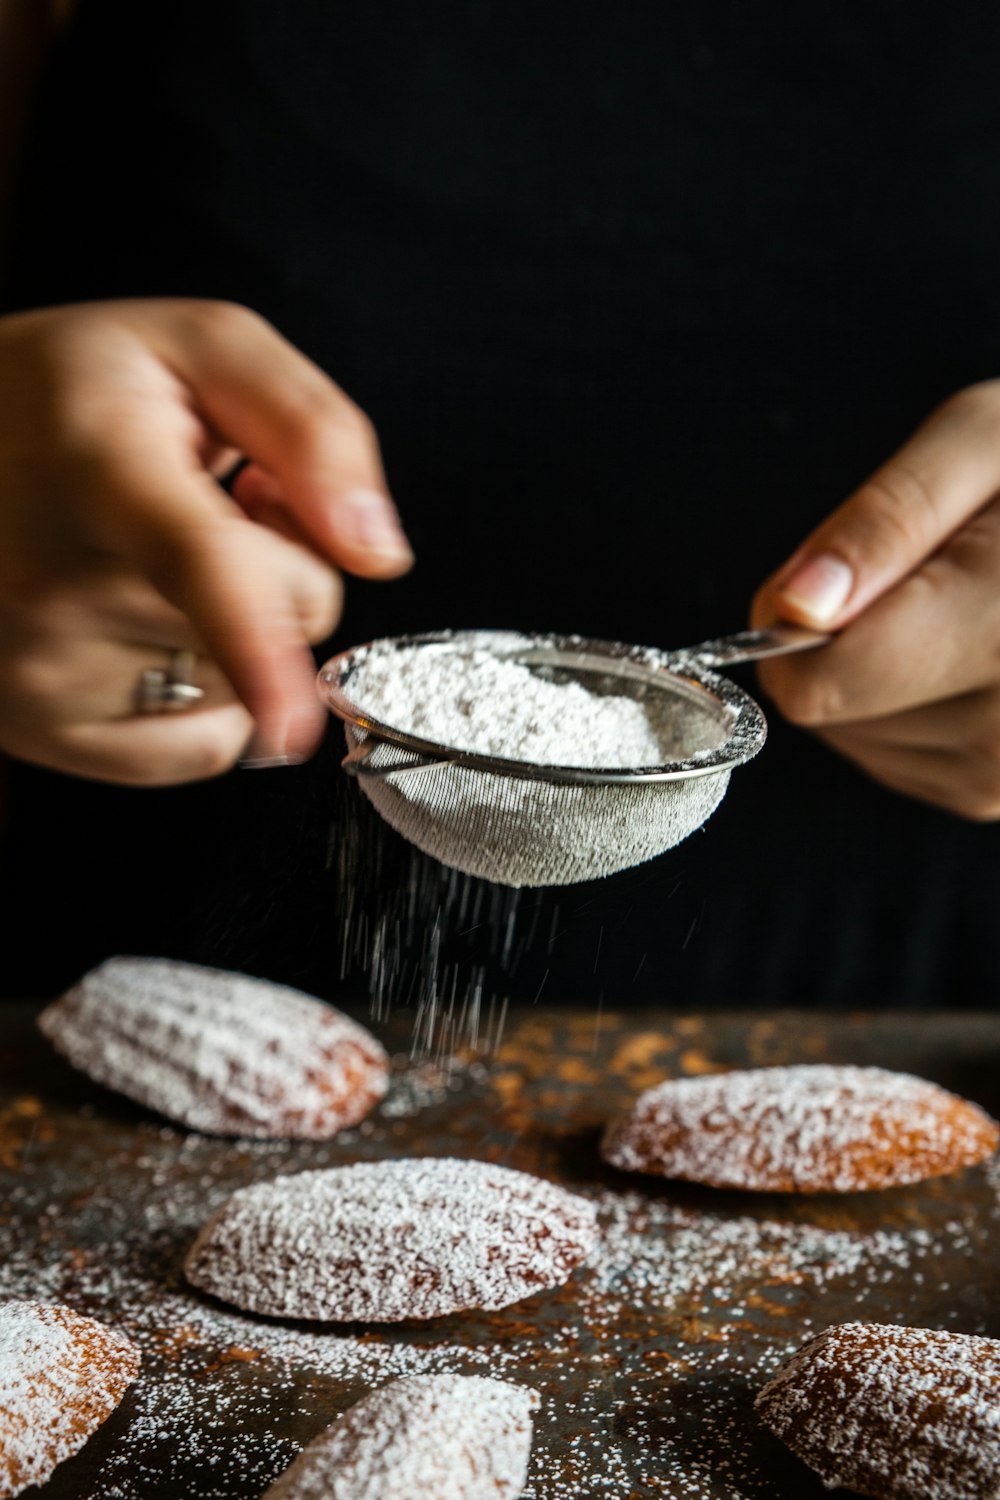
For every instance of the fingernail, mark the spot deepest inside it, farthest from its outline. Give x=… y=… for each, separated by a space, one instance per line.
x=261 y=755
x=820 y=587
x=265 y=762
x=373 y=523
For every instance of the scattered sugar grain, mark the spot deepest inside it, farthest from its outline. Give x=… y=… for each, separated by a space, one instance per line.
x=648 y=1377
x=608 y=1411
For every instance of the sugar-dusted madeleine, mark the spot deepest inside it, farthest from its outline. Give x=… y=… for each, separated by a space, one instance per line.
x=219 y=1052
x=439 y=1437
x=893 y=1413
x=61 y=1376
x=812 y=1128
x=390 y=1240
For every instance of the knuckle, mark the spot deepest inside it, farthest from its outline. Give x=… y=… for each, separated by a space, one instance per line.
x=975 y=796
x=311 y=408
x=206 y=750
x=320 y=418
x=220 y=320
x=897 y=506
x=975 y=549
x=321 y=609
x=32 y=677
x=987 y=752
x=981 y=400
x=357 y=421
x=71 y=332
x=981 y=807
x=213 y=753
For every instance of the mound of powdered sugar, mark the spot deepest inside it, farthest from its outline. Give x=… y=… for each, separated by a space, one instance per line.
x=217 y=1051
x=894 y=1413
x=809 y=1128
x=472 y=699
x=441 y=1437
x=390 y=1240
x=61 y=1376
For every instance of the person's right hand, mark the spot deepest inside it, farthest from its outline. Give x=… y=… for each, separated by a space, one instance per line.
x=118 y=547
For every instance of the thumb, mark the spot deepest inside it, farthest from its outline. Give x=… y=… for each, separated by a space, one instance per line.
x=909 y=507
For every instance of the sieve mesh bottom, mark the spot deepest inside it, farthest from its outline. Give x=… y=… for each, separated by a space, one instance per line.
x=519 y=832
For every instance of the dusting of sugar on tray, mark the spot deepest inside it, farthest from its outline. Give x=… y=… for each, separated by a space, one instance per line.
x=648 y=1362
x=723 y=1300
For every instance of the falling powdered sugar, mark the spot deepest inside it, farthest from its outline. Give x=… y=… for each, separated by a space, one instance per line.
x=475 y=700
x=450 y=1437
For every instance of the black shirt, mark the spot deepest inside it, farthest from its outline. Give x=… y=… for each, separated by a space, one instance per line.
x=635 y=295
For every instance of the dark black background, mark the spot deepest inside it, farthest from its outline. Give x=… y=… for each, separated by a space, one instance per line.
x=635 y=295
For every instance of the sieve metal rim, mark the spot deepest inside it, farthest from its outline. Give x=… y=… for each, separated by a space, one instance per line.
x=747 y=727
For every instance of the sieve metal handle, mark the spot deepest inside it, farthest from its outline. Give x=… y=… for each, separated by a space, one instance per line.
x=356 y=761
x=751 y=645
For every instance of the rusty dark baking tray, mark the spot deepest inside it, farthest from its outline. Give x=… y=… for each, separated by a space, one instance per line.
x=647 y=1361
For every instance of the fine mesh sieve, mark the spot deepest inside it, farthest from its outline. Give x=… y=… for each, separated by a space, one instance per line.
x=523 y=824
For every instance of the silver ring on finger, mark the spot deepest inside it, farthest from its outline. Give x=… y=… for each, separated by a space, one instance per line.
x=169 y=690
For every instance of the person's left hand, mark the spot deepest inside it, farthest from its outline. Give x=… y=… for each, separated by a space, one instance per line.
x=907 y=572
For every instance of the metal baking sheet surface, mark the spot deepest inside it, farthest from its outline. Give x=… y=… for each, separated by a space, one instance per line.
x=647 y=1360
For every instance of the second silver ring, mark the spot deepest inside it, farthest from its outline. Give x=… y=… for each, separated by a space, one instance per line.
x=169 y=689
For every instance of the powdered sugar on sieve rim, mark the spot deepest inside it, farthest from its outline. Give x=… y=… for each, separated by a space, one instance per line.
x=513 y=691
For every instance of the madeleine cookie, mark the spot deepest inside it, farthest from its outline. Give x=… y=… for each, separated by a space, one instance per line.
x=61 y=1376
x=388 y=1240
x=814 y=1128
x=439 y=1437
x=219 y=1052
x=893 y=1413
